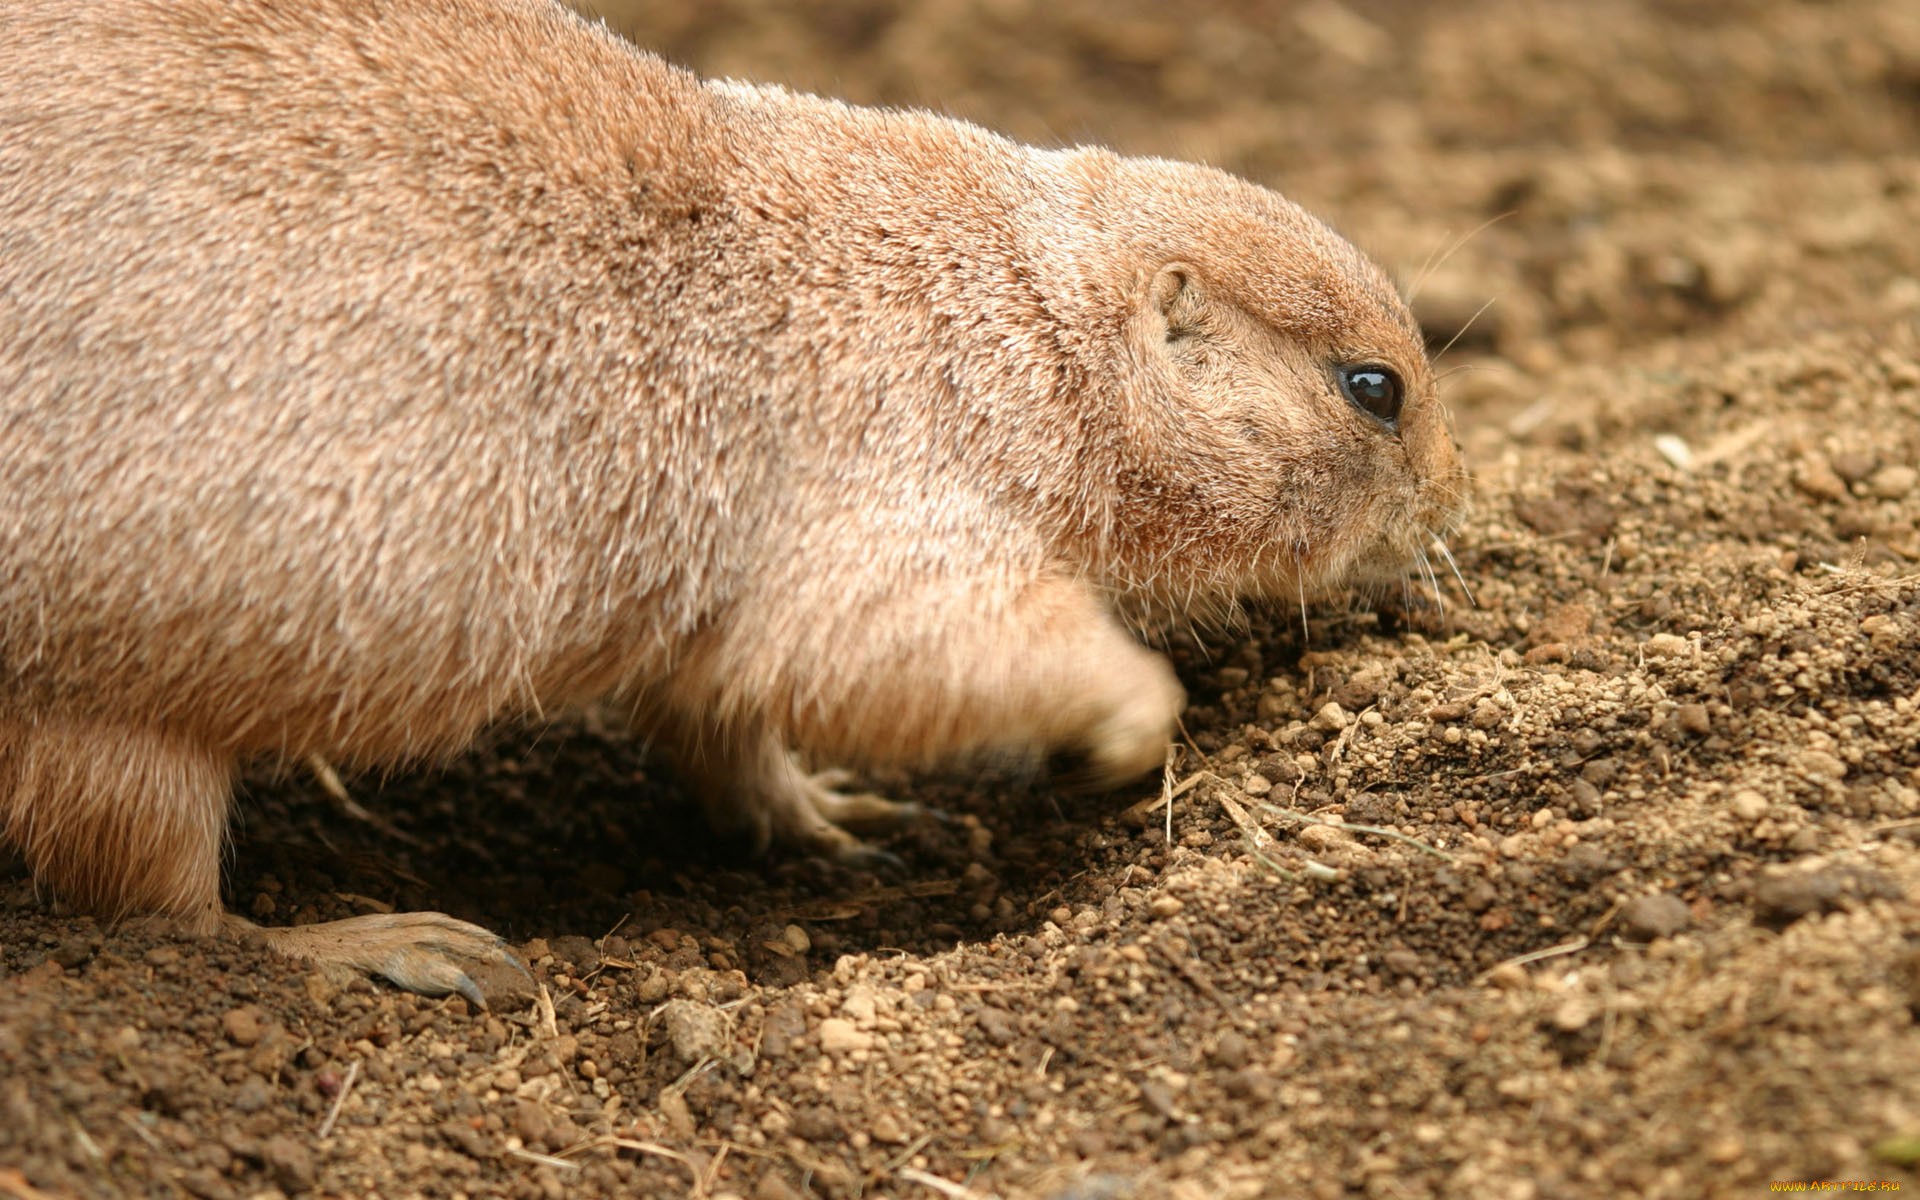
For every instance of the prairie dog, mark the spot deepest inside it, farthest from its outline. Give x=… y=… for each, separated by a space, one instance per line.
x=371 y=373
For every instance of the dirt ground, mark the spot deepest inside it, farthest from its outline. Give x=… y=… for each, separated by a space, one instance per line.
x=1604 y=884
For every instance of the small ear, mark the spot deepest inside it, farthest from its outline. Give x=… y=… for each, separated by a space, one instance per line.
x=1177 y=299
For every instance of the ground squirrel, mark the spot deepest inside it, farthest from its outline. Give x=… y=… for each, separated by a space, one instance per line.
x=370 y=373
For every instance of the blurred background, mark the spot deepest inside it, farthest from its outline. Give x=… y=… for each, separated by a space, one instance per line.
x=1598 y=174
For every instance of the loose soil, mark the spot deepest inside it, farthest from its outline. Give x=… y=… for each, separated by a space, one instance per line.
x=1604 y=883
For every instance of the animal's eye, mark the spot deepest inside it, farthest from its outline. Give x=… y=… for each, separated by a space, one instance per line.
x=1374 y=390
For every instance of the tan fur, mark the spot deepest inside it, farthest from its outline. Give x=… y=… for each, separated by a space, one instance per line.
x=373 y=372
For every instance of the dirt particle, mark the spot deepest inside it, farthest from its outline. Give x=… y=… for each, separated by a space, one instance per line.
x=839 y=1036
x=1894 y=482
x=1658 y=915
x=242 y=1025
x=1854 y=465
x=1781 y=899
x=1748 y=805
x=1816 y=477
x=1330 y=718
x=695 y=1031
x=290 y=1163
x=1819 y=766
x=772 y=1187
x=997 y=1025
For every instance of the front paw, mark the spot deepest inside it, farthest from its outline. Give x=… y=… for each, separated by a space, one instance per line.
x=1131 y=736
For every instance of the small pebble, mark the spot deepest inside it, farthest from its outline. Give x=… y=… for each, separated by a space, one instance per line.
x=1330 y=719
x=1819 y=765
x=242 y=1025
x=838 y=1036
x=1659 y=915
x=1748 y=805
x=1817 y=478
x=1893 y=482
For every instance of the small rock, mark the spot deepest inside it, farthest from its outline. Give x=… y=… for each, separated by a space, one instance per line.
x=1893 y=482
x=291 y=1163
x=1573 y=1014
x=75 y=951
x=1587 y=863
x=696 y=1031
x=1855 y=465
x=1584 y=798
x=242 y=1025
x=530 y=1122
x=860 y=1006
x=320 y=989
x=1330 y=719
x=1666 y=645
x=1601 y=772
x=1166 y=906
x=1694 y=719
x=1510 y=977
x=1660 y=915
x=1816 y=477
x=1818 y=765
x=1675 y=450
x=773 y=1187
x=816 y=1123
x=1748 y=805
x=1320 y=838
x=838 y=1036
x=252 y=1095
x=1159 y=1096
x=1278 y=768
x=1232 y=1050
x=998 y=1026
x=1405 y=963
x=1359 y=692
x=577 y=950
x=1780 y=900
x=677 y=1113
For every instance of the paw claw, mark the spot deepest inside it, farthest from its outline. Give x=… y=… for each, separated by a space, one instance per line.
x=862 y=857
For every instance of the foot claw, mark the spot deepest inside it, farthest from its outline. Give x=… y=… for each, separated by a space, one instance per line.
x=862 y=857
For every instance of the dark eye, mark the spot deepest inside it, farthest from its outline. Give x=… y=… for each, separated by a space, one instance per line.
x=1374 y=390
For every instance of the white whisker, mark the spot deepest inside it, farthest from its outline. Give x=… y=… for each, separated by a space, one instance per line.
x=1455 y=568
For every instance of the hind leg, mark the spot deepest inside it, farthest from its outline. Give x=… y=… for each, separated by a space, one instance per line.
x=123 y=820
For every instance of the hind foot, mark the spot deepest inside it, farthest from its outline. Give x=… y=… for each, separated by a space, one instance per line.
x=425 y=952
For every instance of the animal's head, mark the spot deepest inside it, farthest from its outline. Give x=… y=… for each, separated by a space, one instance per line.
x=1281 y=435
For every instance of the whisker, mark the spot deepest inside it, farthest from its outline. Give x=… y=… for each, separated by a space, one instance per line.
x=1455 y=568
x=1433 y=582
x=1462 y=331
x=1459 y=369
x=1431 y=265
